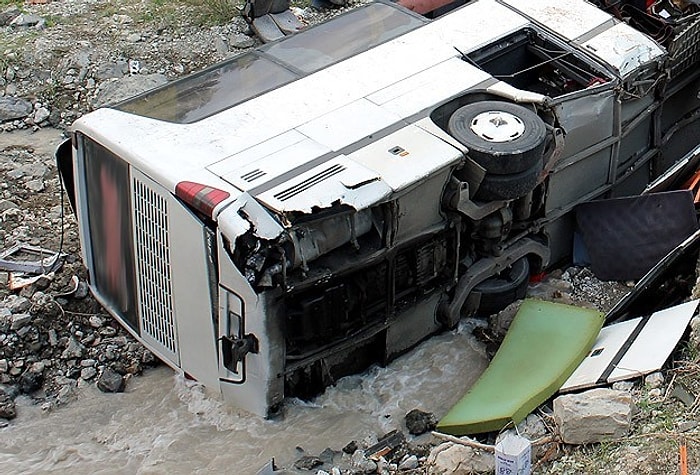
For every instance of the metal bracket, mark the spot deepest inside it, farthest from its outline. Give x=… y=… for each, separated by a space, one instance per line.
x=462 y=203
x=234 y=349
x=48 y=261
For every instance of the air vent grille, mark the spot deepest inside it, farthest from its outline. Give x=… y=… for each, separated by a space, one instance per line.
x=309 y=182
x=253 y=175
x=153 y=267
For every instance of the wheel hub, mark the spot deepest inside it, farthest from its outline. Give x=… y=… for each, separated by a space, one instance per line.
x=497 y=126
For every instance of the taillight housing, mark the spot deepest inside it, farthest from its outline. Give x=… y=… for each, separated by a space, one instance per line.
x=202 y=198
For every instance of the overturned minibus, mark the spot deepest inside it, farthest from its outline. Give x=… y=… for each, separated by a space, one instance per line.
x=326 y=202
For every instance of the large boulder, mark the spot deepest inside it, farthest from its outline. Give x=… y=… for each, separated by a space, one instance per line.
x=12 y=108
x=593 y=416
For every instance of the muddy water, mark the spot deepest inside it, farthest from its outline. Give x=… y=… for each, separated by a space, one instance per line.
x=163 y=424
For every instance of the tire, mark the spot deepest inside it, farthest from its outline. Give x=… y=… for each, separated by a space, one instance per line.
x=500 y=291
x=508 y=187
x=502 y=137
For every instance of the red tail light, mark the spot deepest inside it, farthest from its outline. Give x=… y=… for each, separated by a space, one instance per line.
x=202 y=198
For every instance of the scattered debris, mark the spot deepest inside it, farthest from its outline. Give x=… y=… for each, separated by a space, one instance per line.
x=386 y=445
x=513 y=455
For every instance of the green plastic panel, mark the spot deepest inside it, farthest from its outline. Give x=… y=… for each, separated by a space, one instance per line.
x=545 y=344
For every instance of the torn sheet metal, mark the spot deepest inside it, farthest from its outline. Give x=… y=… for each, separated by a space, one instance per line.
x=625 y=237
x=336 y=181
x=632 y=348
x=625 y=48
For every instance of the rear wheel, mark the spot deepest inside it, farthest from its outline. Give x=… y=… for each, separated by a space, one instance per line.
x=508 y=187
x=505 y=288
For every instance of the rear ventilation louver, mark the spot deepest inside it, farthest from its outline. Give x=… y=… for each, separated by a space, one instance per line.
x=253 y=175
x=153 y=268
x=309 y=182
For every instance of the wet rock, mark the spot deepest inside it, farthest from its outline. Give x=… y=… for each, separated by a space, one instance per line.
x=593 y=416
x=419 y=422
x=456 y=459
x=30 y=381
x=110 y=381
x=308 y=462
x=7 y=406
x=4 y=365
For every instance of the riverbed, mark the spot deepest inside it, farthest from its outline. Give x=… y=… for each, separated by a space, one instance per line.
x=164 y=423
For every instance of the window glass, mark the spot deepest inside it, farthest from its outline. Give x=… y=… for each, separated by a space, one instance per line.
x=213 y=90
x=343 y=37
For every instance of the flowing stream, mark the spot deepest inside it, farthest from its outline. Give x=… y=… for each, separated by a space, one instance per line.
x=164 y=424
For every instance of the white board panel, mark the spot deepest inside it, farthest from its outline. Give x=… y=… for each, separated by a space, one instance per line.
x=606 y=346
x=655 y=342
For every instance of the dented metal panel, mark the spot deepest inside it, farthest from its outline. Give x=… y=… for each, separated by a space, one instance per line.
x=586 y=119
x=625 y=48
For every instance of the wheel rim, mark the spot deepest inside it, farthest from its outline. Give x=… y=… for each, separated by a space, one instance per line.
x=497 y=126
